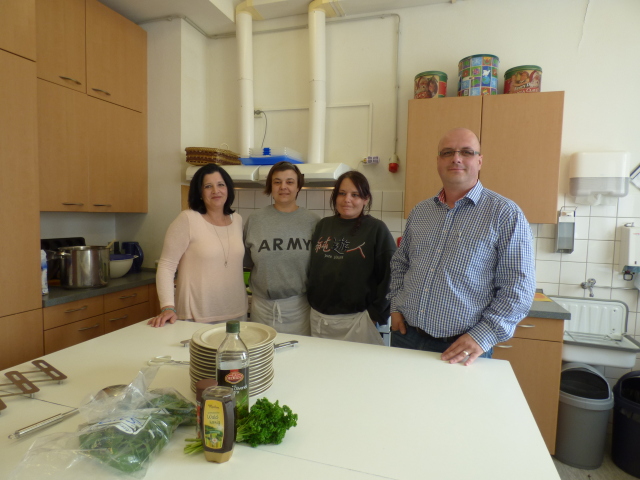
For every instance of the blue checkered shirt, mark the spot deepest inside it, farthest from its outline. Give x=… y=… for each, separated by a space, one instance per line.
x=466 y=269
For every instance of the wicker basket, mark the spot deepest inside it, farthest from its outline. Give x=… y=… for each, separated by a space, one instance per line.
x=202 y=155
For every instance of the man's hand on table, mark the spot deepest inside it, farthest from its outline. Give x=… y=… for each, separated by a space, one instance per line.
x=462 y=348
x=397 y=323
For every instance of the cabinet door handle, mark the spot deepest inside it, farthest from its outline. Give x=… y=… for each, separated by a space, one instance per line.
x=71 y=203
x=89 y=328
x=101 y=204
x=128 y=296
x=72 y=79
x=100 y=90
x=503 y=346
x=526 y=326
x=84 y=307
x=119 y=318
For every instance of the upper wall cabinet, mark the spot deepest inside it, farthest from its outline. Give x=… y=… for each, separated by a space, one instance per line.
x=61 y=42
x=521 y=138
x=18 y=27
x=116 y=58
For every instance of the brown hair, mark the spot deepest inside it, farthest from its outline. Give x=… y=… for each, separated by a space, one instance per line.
x=362 y=185
x=281 y=167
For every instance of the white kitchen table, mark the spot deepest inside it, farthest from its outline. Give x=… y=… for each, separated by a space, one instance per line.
x=364 y=411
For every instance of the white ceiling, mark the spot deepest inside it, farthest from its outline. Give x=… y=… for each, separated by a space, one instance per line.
x=217 y=16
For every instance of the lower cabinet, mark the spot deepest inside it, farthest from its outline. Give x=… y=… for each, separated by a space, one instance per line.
x=20 y=338
x=75 y=322
x=535 y=354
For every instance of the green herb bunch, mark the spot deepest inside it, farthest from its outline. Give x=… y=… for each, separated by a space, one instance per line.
x=266 y=423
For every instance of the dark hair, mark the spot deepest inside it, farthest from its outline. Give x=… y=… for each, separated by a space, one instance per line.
x=195 y=189
x=281 y=167
x=362 y=185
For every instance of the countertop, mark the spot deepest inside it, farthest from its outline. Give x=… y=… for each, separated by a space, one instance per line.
x=546 y=309
x=59 y=295
x=365 y=412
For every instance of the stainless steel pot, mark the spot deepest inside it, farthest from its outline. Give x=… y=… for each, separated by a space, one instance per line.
x=84 y=267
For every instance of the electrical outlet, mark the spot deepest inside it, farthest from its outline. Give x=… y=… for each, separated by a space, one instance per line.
x=370 y=160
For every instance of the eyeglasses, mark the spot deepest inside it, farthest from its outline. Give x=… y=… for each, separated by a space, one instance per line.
x=464 y=152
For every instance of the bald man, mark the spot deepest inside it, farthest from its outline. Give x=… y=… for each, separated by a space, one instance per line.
x=464 y=274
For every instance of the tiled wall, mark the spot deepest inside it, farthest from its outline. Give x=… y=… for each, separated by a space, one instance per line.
x=595 y=254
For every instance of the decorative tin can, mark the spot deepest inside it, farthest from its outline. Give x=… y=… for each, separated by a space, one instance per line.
x=431 y=84
x=523 y=79
x=478 y=75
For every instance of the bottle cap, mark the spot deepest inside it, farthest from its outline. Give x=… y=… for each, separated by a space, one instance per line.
x=233 y=327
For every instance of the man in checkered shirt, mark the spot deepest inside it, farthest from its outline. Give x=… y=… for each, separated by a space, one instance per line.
x=464 y=274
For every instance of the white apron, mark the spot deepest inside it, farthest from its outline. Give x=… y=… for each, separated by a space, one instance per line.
x=287 y=315
x=352 y=327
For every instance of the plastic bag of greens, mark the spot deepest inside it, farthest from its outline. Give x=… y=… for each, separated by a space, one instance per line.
x=122 y=435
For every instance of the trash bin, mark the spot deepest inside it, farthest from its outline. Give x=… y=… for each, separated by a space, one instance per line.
x=626 y=424
x=585 y=404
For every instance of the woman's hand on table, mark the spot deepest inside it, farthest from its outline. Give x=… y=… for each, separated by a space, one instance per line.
x=167 y=314
x=462 y=348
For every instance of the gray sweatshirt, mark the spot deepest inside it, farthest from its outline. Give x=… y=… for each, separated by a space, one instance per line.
x=278 y=246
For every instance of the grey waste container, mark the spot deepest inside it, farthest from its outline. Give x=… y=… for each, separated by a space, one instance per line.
x=626 y=424
x=586 y=400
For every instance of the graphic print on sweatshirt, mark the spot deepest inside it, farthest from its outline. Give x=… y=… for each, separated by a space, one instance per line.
x=280 y=244
x=340 y=246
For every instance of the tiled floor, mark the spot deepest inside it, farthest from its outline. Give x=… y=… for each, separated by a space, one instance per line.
x=607 y=471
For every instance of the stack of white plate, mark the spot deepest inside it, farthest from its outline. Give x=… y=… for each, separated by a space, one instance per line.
x=257 y=337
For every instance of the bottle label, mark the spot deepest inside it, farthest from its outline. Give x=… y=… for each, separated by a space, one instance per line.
x=213 y=424
x=238 y=380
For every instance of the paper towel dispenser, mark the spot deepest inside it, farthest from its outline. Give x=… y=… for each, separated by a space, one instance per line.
x=593 y=175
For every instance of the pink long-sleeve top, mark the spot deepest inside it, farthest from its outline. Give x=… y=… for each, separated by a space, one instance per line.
x=206 y=291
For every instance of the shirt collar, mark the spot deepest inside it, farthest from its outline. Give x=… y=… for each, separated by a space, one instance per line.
x=473 y=195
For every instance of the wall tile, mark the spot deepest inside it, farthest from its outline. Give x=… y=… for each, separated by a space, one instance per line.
x=601 y=228
x=604 y=211
x=630 y=297
x=579 y=253
x=630 y=205
x=547 y=271
x=545 y=249
x=548 y=288
x=392 y=202
x=600 y=251
x=301 y=201
x=392 y=220
x=315 y=199
x=571 y=291
x=534 y=229
x=602 y=272
x=320 y=213
x=376 y=214
x=327 y=199
x=546 y=230
x=376 y=200
x=572 y=273
x=262 y=200
x=582 y=227
x=246 y=198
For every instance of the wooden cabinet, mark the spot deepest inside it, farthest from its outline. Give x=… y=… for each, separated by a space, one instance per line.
x=18 y=27
x=521 y=138
x=116 y=58
x=93 y=155
x=20 y=338
x=60 y=34
x=63 y=149
x=73 y=322
x=535 y=354
x=19 y=197
x=117 y=158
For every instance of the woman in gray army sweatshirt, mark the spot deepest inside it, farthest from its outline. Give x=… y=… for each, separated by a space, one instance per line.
x=277 y=240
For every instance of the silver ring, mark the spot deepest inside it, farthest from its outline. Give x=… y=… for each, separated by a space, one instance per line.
x=466 y=353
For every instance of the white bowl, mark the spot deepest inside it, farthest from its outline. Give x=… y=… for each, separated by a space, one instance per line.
x=119 y=268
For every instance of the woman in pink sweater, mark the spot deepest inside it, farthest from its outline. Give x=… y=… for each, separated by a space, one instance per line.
x=204 y=244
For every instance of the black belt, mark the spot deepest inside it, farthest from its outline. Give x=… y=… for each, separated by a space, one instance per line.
x=424 y=334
